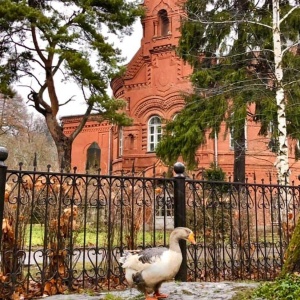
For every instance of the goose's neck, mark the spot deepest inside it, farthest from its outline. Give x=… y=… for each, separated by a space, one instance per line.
x=174 y=244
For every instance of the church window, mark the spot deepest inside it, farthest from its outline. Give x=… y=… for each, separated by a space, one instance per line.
x=154 y=132
x=163 y=23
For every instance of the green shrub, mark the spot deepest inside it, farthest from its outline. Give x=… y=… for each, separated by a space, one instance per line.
x=287 y=288
x=214 y=173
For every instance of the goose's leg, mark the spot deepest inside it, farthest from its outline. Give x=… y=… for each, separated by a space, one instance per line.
x=157 y=294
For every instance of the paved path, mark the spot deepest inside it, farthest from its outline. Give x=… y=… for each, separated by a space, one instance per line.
x=176 y=291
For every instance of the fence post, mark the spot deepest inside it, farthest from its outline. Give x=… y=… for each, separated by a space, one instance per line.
x=180 y=214
x=3 y=169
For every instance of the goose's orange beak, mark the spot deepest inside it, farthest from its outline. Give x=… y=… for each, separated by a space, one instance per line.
x=191 y=238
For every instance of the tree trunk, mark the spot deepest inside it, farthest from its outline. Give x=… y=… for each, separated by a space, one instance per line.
x=64 y=150
x=239 y=157
x=63 y=143
x=282 y=162
x=292 y=255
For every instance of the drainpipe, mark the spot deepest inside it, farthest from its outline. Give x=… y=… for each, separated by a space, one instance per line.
x=216 y=149
x=110 y=147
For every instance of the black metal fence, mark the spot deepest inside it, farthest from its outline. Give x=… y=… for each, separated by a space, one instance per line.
x=67 y=231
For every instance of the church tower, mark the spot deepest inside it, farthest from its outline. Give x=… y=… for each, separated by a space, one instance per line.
x=152 y=86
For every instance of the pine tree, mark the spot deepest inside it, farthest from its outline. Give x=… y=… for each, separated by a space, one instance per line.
x=43 y=40
x=243 y=53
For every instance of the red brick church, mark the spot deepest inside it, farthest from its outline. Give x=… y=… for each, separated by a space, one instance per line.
x=152 y=87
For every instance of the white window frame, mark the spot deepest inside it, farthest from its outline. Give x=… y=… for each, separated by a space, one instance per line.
x=154 y=132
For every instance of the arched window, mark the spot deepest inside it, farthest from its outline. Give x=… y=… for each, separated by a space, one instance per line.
x=93 y=156
x=163 y=22
x=154 y=132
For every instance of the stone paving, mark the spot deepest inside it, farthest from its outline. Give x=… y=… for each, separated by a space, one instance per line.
x=176 y=291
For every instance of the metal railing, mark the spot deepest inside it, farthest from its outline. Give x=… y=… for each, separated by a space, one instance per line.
x=67 y=231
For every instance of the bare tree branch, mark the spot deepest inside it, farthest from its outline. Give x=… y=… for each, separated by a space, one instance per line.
x=287 y=14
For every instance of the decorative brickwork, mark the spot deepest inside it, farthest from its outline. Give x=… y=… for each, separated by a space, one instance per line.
x=152 y=86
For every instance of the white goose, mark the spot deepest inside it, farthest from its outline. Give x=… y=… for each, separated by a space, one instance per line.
x=148 y=269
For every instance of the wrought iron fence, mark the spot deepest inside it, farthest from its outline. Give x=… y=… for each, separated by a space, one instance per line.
x=67 y=231
x=242 y=229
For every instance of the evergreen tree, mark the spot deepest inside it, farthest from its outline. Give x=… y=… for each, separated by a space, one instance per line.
x=44 y=40
x=243 y=53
